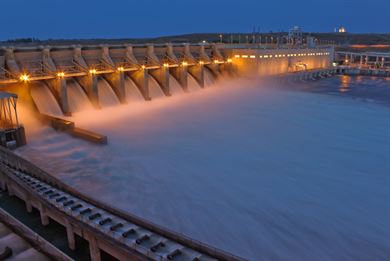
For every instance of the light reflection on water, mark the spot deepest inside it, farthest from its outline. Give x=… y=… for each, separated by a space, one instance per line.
x=345 y=83
x=364 y=88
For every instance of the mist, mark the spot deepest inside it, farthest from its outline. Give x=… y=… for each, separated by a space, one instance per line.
x=261 y=171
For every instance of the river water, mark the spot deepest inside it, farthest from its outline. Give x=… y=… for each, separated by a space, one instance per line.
x=299 y=171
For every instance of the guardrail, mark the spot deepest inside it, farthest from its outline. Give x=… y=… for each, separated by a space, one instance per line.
x=32 y=238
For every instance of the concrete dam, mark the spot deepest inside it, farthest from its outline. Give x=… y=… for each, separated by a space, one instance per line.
x=58 y=81
x=66 y=79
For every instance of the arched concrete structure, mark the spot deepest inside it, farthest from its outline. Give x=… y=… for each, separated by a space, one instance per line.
x=90 y=86
x=141 y=79
x=117 y=81
x=59 y=89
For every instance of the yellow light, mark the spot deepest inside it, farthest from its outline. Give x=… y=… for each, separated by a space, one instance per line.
x=237 y=56
x=24 y=77
x=166 y=65
x=229 y=60
x=61 y=74
x=184 y=63
x=201 y=62
x=121 y=69
x=216 y=61
x=260 y=56
x=92 y=71
x=143 y=66
x=253 y=56
x=244 y=56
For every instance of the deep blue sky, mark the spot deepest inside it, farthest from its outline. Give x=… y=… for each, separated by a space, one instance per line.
x=126 y=19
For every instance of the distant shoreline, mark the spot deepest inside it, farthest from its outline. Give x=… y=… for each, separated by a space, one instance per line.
x=377 y=40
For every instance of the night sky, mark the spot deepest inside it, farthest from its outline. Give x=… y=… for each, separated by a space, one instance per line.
x=135 y=19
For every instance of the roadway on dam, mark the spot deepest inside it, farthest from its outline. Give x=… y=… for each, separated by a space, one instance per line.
x=259 y=172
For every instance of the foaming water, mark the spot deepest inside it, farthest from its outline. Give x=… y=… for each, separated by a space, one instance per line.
x=44 y=100
x=133 y=94
x=107 y=95
x=155 y=90
x=77 y=98
x=263 y=173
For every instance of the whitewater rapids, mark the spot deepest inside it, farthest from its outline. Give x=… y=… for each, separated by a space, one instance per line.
x=263 y=173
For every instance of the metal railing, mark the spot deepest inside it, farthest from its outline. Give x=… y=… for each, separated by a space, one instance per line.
x=6 y=75
x=35 y=68
x=33 y=238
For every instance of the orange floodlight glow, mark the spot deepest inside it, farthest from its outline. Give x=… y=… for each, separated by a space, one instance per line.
x=24 y=77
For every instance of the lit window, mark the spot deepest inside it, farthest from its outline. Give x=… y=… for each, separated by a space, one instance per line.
x=253 y=56
x=237 y=56
x=244 y=56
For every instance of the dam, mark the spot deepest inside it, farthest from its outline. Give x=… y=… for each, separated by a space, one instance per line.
x=68 y=82
x=71 y=78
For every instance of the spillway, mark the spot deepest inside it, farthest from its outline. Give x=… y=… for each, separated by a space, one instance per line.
x=208 y=78
x=44 y=100
x=77 y=98
x=192 y=84
x=155 y=90
x=166 y=182
x=133 y=94
x=169 y=162
x=174 y=86
x=107 y=95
